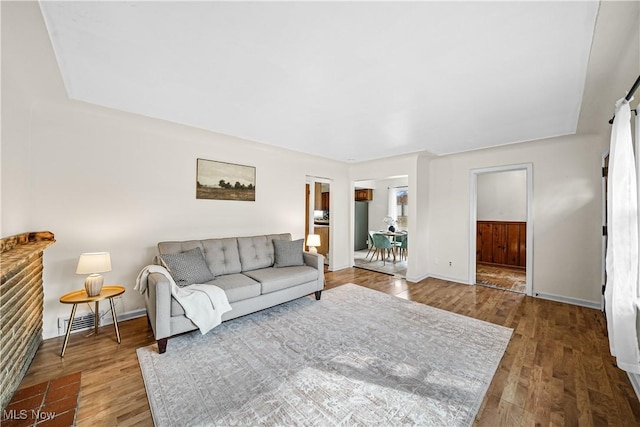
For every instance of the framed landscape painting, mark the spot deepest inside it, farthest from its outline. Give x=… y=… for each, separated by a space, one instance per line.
x=225 y=181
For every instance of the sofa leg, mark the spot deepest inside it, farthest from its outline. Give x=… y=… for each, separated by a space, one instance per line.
x=318 y=294
x=162 y=345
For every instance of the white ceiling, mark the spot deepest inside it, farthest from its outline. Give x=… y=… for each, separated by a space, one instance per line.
x=349 y=81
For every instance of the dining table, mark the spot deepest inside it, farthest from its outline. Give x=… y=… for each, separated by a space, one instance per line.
x=393 y=236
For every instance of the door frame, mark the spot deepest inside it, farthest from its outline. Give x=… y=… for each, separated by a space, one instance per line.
x=310 y=180
x=473 y=218
x=603 y=257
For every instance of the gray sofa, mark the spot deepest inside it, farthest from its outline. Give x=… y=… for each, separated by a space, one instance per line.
x=244 y=268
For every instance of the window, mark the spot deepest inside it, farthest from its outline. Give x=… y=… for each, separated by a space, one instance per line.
x=402 y=208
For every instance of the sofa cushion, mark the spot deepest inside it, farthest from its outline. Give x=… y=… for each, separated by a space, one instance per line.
x=188 y=267
x=257 y=252
x=177 y=247
x=274 y=279
x=222 y=256
x=237 y=287
x=288 y=254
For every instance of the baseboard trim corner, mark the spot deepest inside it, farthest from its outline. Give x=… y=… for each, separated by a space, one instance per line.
x=447 y=278
x=339 y=267
x=417 y=278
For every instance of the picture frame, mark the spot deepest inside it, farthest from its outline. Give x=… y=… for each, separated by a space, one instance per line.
x=225 y=181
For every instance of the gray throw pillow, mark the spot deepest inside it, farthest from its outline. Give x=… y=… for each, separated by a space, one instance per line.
x=288 y=254
x=188 y=267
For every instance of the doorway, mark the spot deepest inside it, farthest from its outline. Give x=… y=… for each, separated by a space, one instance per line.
x=605 y=201
x=317 y=214
x=379 y=204
x=500 y=254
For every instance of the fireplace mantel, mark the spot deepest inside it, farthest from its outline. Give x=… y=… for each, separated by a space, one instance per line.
x=21 y=305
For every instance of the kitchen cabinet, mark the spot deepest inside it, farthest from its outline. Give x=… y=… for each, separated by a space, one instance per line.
x=323 y=232
x=317 y=196
x=320 y=198
x=324 y=201
x=364 y=195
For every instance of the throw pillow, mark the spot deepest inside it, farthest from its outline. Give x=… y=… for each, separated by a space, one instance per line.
x=188 y=267
x=288 y=254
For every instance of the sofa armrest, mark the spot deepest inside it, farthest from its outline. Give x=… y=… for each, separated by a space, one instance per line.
x=316 y=261
x=158 y=303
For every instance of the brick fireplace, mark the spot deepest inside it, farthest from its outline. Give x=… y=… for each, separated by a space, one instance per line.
x=21 y=305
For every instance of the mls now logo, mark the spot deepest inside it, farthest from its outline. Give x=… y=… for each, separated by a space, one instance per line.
x=23 y=414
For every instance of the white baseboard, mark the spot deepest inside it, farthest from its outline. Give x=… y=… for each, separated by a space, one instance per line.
x=568 y=300
x=104 y=318
x=133 y=314
x=635 y=382
x=340 y=267
x=417 y=278
x=447 y=278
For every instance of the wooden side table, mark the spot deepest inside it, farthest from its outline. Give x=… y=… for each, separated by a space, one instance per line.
x=79 y=297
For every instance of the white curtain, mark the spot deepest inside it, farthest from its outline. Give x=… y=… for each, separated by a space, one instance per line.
x=392 y=203
x=621 y=293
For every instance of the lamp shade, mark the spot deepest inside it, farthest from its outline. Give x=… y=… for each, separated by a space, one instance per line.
x=313 y=240
x=94 y=262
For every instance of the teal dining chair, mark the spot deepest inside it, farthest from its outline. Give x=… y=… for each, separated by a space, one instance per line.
x=404 y=247
x=400 y=240
x=382 y=246
x=372 y=247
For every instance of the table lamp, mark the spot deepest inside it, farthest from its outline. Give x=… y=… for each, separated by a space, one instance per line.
x=93 y=263
x=313 y=241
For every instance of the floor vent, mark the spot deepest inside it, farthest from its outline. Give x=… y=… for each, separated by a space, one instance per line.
x=80 y=323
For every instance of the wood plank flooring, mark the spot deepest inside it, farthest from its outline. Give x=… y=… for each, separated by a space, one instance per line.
x=556 y=371
x=502 y=277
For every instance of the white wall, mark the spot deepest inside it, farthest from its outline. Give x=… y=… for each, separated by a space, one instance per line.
x=502 y=196
x=566 y=212
x=106 y=180
x=382 y=172
x=100 y=179
x=567 y=183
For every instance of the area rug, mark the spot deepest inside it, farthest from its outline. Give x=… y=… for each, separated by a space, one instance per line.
x=398 y=268
x=356 y=357
x=501 y=277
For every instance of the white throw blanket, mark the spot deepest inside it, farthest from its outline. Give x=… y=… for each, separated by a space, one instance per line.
x=203 y=304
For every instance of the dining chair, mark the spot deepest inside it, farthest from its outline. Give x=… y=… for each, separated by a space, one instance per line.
x=382 y=246
x=398 y=239
x=404 y=247
x=371 y=245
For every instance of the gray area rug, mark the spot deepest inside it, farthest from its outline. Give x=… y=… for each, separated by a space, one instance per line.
x=398 y=269
x=356 y=357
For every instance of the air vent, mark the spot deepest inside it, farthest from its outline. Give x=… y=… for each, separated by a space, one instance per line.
x=80 y=323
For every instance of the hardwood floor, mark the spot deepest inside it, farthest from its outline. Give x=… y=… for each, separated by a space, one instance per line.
x=502 y=277
x=556 y=371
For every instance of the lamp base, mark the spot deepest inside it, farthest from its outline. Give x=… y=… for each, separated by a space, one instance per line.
x=313 y=250
x=93 y=285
